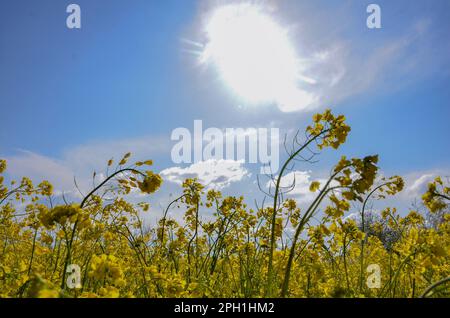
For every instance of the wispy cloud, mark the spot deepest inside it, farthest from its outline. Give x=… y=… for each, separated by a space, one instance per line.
x=81 y=161
x=334 y=68
x=341 y=70
x=39 y=167
x=417 y=185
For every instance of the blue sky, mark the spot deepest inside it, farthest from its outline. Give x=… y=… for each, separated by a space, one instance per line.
x=71 y=99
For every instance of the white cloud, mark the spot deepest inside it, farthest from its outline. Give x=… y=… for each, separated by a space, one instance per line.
x=213 y=173
x=38 y=167
x=415 y=186
x=341 y=71
x=352 y=216
x=94 y=155
x=416 y=182
x=418 y=185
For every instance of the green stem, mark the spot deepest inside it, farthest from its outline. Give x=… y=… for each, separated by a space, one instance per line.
x=83 y=202
x=361 y=256
x=433 y=286
x=32 y=250
x=268 y=291
x=312 y=208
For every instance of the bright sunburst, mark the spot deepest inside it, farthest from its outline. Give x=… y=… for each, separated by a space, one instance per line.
x=254 y=56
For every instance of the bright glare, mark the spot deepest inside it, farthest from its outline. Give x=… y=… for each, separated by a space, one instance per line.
x=254 y=56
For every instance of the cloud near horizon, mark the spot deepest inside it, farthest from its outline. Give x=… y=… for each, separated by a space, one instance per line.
x=213 y=173
x=79 y=162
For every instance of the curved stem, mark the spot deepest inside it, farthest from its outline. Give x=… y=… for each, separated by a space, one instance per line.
x=433 y=286
x=268 y=291
x=441 y=196
x=9 y=193
x=396 y=275
x=165 y=216
x=300 y=227
x=363 y=240
x=83 y=202
x=32 y=251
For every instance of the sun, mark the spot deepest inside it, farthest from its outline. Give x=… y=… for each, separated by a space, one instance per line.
x=253 y=55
